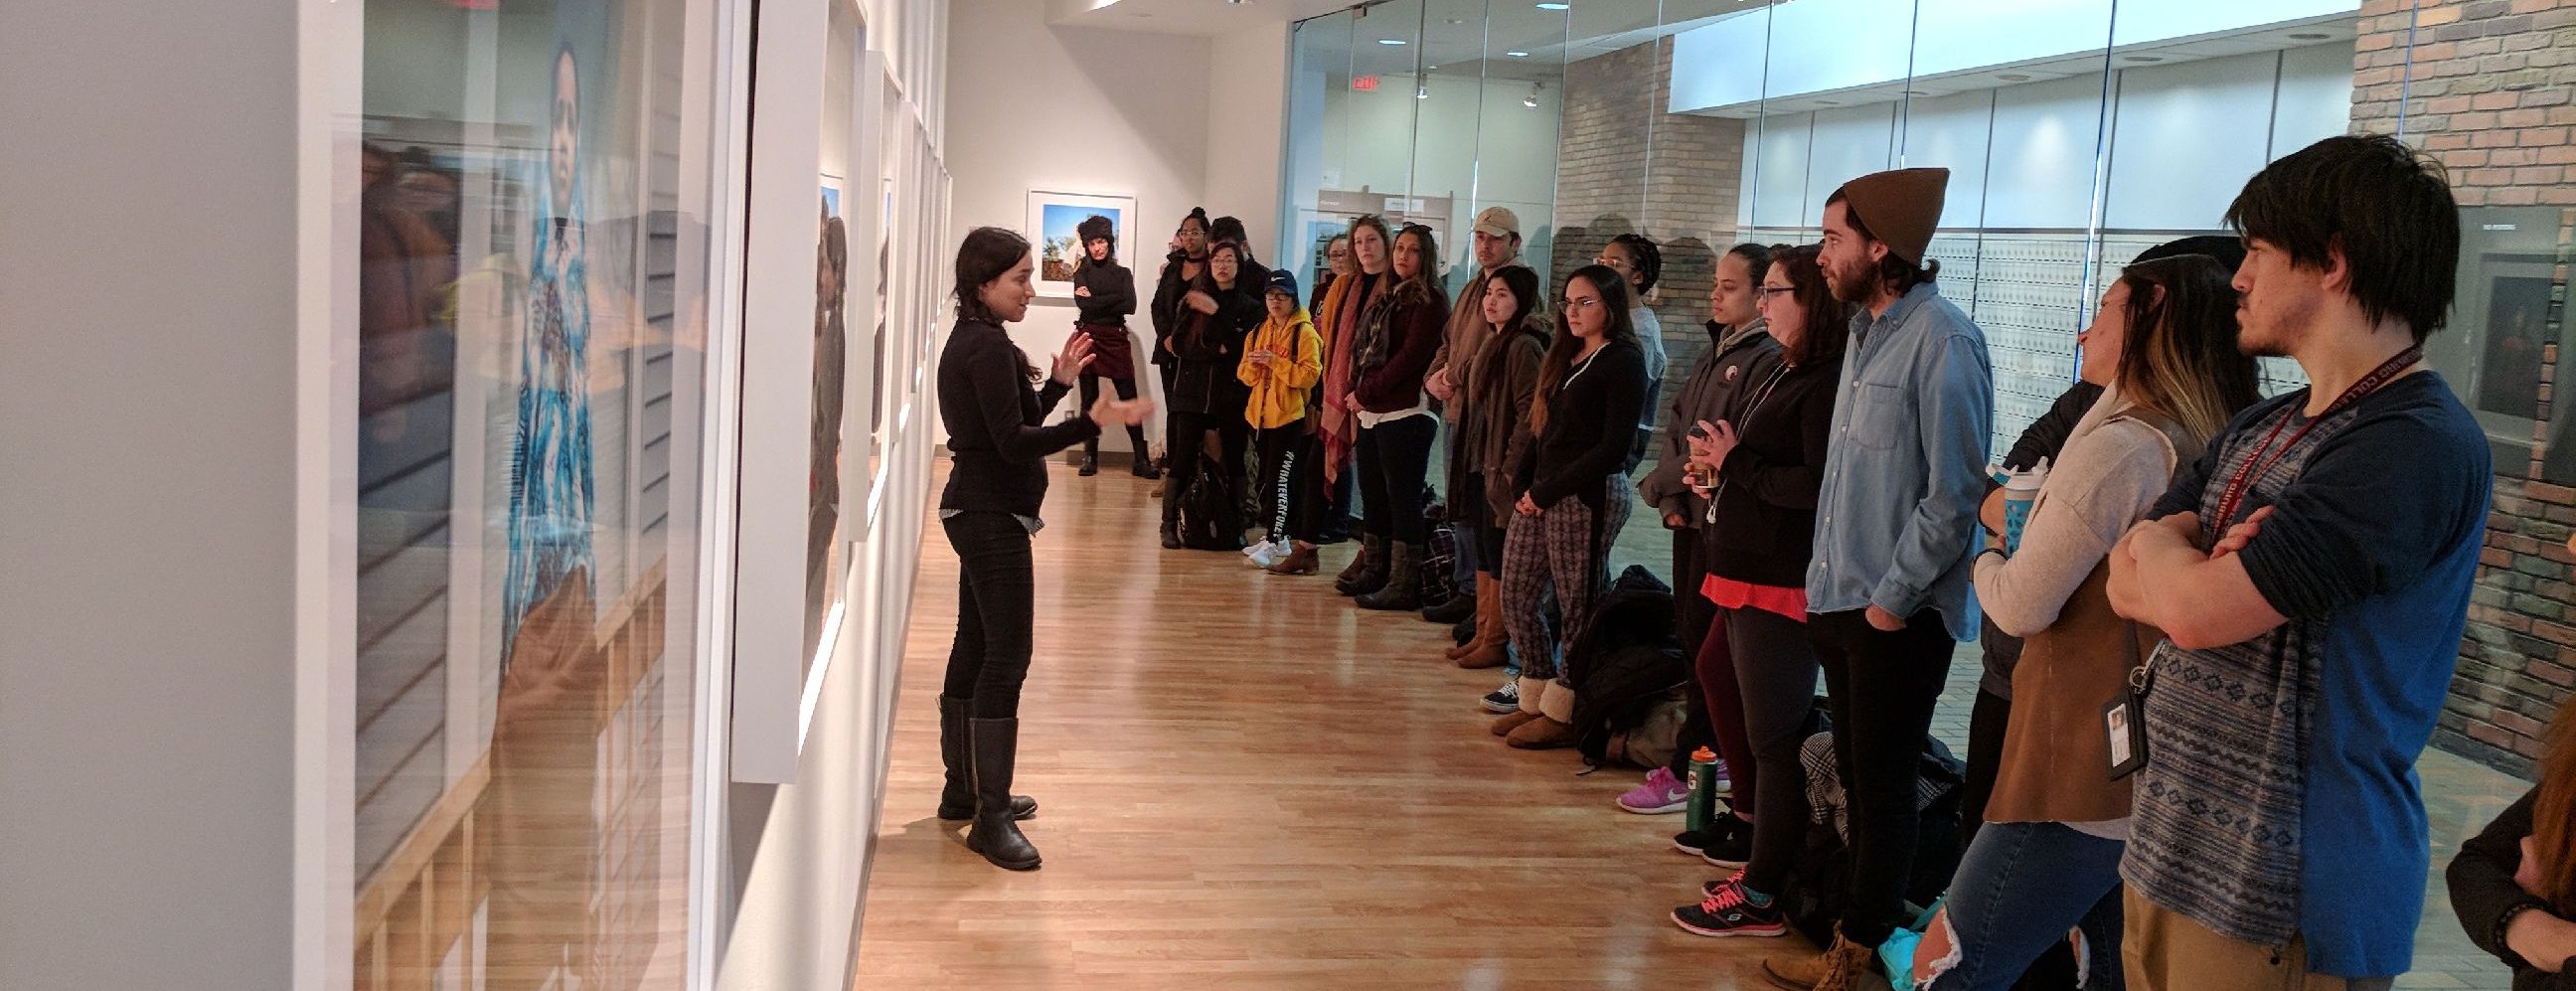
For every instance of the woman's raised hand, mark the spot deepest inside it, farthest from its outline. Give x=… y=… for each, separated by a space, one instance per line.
x=1075 y=357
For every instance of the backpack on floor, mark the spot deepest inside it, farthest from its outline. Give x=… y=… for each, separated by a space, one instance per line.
x=1210 y=518
x=1439 y=560
x=1624 y=663
x=1819 y=879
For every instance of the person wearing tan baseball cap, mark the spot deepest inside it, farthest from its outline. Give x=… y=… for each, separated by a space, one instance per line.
x=1896 y=521
x=1497 y=246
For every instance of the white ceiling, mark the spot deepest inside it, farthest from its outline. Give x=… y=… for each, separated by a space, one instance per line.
x=1197 y=17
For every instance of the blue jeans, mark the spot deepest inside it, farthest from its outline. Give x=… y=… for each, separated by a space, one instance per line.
x=2021 y=886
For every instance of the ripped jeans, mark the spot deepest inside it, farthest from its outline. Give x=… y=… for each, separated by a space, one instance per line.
x=2020 y=887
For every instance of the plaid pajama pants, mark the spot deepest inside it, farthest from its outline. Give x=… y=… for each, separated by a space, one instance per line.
x=1564 y=549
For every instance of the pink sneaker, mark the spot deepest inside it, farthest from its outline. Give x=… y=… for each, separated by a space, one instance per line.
x=1661 y=794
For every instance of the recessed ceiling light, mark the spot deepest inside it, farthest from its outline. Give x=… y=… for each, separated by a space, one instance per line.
x=1422 y=92
x=1455 y=21
x=1390 y=41
x=2142 y=59
x=1517 y=54
x=2309 y=36
x=1554 y=6
x=2014 y=77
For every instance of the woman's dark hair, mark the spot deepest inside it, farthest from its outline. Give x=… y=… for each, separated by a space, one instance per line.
x=1757 y=258
x=1197 y=213
x=1094 y=228
x=2180 y=357
x=1424 y=286
x=1229 y=228
x=1195 y=328
x=1643 y=256
x=2384 y=206
x=1897 y=274
x=988 y=253
x=2553 y=818
x=1560 y=353
x=835 y=258
x=1523 y=283
x=1828 y=327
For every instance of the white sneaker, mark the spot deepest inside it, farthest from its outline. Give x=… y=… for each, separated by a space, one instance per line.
x=1268 y=554
x=1259 y=549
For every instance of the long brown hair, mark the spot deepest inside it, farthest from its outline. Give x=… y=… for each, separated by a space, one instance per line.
x=2181 y=358
x=2553 y=817
x=1559 y=362
x=1424 y=286
x=1828 y=326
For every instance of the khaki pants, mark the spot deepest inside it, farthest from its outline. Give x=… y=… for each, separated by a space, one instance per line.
x=2165 y=951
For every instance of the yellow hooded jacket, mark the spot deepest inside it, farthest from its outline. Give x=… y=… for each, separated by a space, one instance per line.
x=1280 y=391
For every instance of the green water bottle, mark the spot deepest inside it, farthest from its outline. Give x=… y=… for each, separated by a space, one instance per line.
x=1703 y=789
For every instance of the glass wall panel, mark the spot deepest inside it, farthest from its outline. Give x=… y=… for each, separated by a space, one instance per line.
x=533 y=305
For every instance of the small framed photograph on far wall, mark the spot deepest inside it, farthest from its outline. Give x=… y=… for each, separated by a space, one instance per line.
x=1052 y=219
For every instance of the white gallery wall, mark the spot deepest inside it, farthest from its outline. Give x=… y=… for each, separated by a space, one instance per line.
x=1035 y=106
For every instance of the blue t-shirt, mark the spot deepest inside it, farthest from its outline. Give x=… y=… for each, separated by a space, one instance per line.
x=2280 y=798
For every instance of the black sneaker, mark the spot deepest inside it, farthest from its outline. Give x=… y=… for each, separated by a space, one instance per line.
x=1731 y=842
x=1505 y=700
x=1727 y=912
x=1694 y=842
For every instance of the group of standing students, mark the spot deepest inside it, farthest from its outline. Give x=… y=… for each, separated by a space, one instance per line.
x=2250 y=823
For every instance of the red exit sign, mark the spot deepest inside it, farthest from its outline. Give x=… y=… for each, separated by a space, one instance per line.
x=1364 y=84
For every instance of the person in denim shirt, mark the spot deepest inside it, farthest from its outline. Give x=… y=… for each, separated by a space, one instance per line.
x=1896 y=519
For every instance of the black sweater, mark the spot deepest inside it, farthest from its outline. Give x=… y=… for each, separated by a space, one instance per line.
x=1167 y=312
x=1766 y=502
x=1209 y=348
x=2482 y=891
x=1113 y=293
x=995 y=423
x=1591 y=423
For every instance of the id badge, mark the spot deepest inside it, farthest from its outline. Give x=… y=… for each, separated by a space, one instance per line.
x=2124 y=725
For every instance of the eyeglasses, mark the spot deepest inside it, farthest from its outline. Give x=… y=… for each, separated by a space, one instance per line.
x=1617 y=263
x=1775 y=290
x=1573 y=305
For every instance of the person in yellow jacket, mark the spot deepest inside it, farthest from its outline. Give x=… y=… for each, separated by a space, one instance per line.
x=1282 y=362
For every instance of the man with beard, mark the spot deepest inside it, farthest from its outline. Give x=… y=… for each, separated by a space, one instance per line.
x=1895 y=521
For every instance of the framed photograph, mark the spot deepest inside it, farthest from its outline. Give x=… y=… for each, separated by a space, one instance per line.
x=1052 y=218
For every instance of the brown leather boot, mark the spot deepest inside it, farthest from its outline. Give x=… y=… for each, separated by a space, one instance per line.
x=1492 y=647
x=1839 y=969
x=1303 y=560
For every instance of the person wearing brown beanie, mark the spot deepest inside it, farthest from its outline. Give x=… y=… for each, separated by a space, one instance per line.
x=1896 y=520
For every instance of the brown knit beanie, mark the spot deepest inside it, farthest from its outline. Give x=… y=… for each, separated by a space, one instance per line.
x=1900 y=207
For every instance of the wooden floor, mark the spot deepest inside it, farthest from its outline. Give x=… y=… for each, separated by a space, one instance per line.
x=1247 y=783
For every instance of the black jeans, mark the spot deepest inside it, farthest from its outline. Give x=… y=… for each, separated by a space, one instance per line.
x=1395 y=458
x=1290 y=482
x=996 y=600
x=1693 y=615
x=1882 y=688
x=1189 y=439
x=1126 y=389
x=1986 y=725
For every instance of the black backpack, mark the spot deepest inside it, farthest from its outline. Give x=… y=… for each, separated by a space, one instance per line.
x=1439 y=561
x=1625 y=661
x=1819 y=879
x=1211 y=520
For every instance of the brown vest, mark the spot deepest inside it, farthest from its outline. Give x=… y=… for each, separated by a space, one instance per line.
x=2056 y=755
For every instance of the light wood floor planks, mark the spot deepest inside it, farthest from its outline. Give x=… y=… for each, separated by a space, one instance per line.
x=1247 y=783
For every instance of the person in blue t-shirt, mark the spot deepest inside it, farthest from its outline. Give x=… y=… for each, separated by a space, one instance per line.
x=2311 y=573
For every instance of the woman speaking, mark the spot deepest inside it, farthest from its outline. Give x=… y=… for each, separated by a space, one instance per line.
x=995 y=413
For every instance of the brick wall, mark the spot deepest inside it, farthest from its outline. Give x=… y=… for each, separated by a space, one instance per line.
x=1626 y=166
x=2488 y=92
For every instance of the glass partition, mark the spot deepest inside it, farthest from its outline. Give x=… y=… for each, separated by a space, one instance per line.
x=533 y=306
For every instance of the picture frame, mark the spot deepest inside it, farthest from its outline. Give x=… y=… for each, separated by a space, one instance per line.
x=1052 y=217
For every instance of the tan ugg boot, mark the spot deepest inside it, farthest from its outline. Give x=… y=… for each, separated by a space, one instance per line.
x=1554 y=727
x=1839 y=969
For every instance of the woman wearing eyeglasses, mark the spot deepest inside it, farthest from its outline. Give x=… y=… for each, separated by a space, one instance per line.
x=1574 y=494
x=1760 y=468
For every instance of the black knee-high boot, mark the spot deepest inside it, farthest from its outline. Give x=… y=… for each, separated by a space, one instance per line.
x=957 y=800
x=996 y=835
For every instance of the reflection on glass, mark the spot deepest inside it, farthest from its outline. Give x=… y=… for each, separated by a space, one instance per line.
x=530 y=267
x=831 y=359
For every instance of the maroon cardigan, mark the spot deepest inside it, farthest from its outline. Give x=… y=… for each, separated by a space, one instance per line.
x=1417 y=330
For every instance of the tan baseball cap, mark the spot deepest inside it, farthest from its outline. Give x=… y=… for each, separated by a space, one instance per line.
x=1498 y=222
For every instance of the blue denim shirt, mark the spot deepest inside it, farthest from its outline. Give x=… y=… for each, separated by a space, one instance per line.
x=1896 y=521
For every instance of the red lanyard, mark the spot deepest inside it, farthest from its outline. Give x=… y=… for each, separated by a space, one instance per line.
x=2257 y=464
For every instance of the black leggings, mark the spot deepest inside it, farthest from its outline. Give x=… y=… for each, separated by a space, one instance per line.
x=1883 y=687
x=1126 y=390
x=996 y=597
x=1189 y=439
x=1290 y=482
x=1395 y=457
